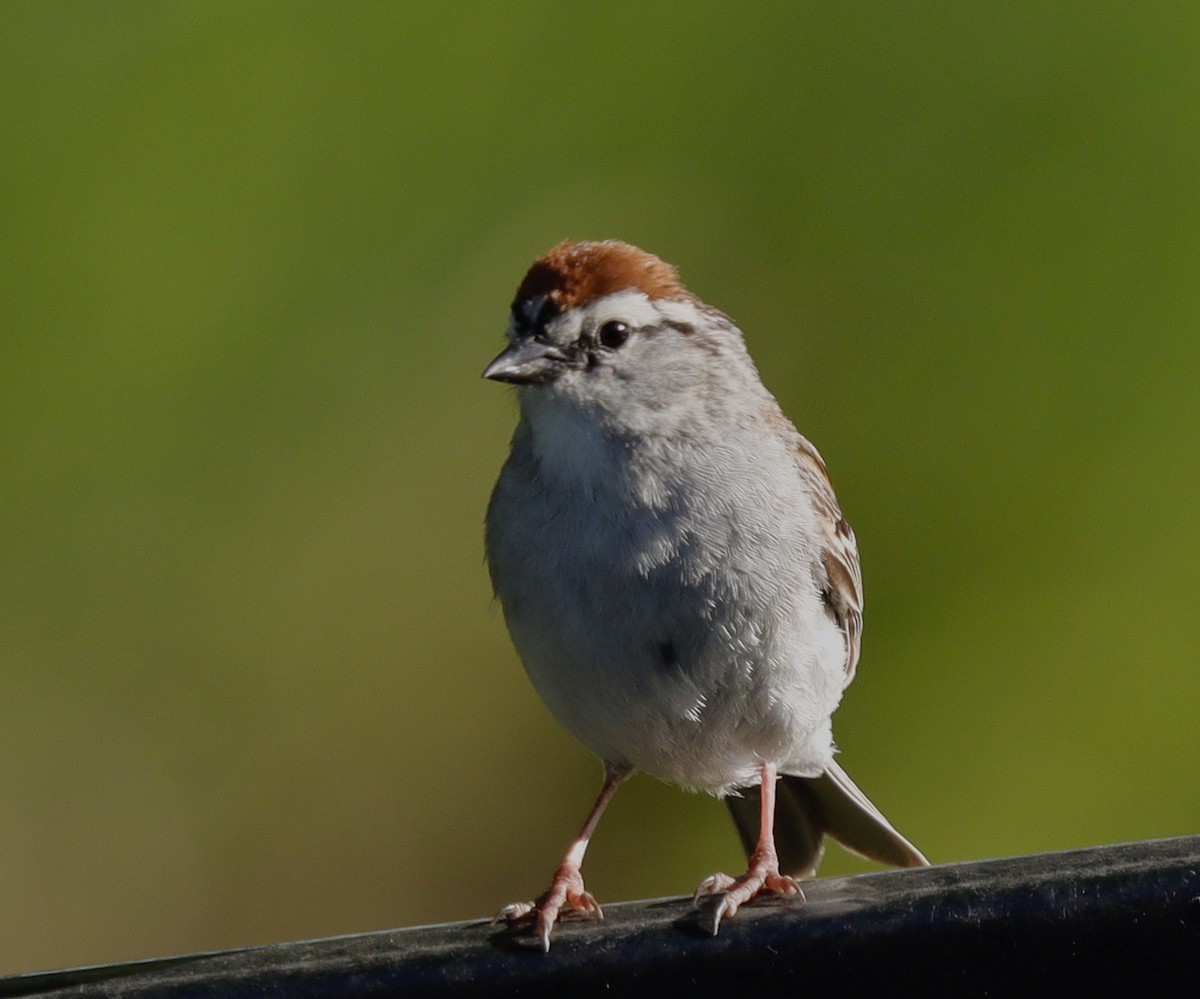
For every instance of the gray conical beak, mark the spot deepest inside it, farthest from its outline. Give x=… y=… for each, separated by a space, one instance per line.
x=526 y=362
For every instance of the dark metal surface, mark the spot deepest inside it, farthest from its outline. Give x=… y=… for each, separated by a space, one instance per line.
x=1116 y=920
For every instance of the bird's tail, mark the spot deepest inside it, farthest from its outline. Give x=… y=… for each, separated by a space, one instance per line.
x=806 y=808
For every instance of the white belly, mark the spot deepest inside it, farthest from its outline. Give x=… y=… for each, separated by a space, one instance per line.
x=691 y=643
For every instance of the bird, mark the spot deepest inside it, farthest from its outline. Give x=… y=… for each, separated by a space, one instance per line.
x=674 y=571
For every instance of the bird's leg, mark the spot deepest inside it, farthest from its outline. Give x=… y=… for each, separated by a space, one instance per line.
x=762 y=875
x=566 y=887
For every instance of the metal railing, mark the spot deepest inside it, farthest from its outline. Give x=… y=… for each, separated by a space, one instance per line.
x=1114 y=920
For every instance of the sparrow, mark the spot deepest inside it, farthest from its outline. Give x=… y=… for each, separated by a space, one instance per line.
x=675 y=571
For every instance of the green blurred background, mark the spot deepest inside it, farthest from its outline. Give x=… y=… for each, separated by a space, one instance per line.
x=253 y=258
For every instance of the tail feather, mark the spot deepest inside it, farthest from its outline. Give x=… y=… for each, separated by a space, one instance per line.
x=808 y=808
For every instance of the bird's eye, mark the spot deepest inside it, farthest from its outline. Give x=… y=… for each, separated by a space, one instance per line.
x=613 y=334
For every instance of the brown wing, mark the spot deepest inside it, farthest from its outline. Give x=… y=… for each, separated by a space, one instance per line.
x=842 y=580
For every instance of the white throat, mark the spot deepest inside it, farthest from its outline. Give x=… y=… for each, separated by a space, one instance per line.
x=569 y=441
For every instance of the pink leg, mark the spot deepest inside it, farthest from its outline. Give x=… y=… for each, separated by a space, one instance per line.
x=762 y=876
x=566 y=887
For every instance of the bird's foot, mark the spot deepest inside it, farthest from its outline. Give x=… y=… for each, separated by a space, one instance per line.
x=565 y=897
x=730 y=894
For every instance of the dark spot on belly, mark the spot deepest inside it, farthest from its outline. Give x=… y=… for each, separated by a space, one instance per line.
x=668 y=654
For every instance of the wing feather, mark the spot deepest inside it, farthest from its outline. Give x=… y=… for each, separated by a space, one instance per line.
x=842 y=578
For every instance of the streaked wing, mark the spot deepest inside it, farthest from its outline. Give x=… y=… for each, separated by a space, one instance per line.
x=839 y=557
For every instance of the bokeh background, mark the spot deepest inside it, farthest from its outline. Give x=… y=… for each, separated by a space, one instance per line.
x=253 y=257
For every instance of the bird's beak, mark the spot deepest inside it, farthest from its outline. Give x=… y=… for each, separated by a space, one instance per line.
x=526 y=362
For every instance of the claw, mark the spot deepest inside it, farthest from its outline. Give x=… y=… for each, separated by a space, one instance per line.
x=711 y=885
x=722 y=909
x=513 y=912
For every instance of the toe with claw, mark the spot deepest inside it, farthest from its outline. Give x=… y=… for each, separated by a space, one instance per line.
x=730 y=894
x=565 y=897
